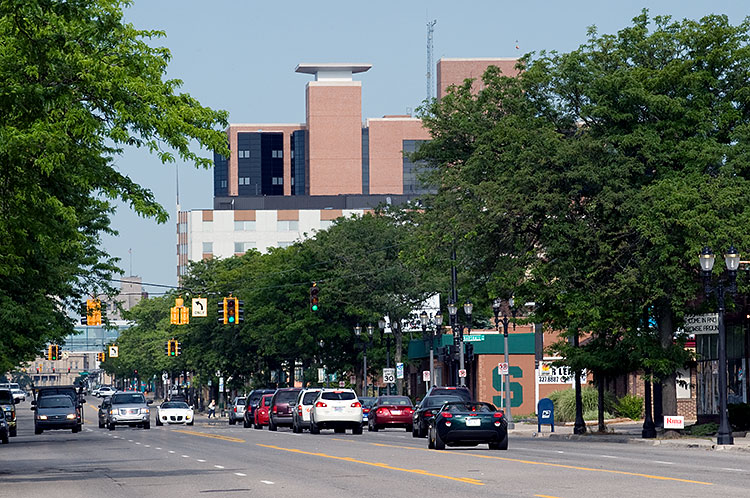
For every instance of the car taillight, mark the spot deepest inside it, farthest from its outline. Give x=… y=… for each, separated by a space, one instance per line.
x=235 y=409
x=299 y=410
x=275 y=409
x=320 y=404
x=365 y=410
x=498 y=415
x=447 y=415
x=356 y=404
x=428 y=413
x=409 y=411
x=381 y=411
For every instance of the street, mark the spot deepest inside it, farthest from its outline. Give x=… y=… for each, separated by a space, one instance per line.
x=221 y=460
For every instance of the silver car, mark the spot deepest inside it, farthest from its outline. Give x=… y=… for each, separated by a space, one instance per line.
x=302 y=407
x=129 y=408
x=237 y=410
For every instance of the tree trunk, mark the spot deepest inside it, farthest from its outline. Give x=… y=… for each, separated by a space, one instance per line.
x=666 y=336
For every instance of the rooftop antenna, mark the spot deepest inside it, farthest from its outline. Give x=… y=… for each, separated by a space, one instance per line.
x=430 y=30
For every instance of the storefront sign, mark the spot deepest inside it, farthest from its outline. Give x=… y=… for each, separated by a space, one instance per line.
x=702 y=324
x=549 y=374
x=674 y=422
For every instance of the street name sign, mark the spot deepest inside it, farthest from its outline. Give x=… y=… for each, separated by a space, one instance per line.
x=473 y=337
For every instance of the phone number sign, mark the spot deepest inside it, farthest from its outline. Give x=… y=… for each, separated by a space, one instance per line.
x=549 y=374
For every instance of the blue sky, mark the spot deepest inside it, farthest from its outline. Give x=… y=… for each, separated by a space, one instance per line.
x=240 y=55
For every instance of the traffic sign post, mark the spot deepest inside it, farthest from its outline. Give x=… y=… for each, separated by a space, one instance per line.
x=389 y=375
x=114 y=351
x=425 y=375
x=399 y=370
x=200 y=306
x=462 y=373
x=502 y=368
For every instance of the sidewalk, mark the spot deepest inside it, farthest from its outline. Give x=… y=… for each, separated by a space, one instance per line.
x=629 y=432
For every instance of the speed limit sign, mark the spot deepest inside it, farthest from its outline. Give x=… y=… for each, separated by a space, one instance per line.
x=389 y=375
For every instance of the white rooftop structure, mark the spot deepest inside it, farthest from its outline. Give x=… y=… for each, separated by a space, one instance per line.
x=332 y=71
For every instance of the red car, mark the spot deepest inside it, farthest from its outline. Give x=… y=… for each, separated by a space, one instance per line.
x=261 y=413
x=390 y=411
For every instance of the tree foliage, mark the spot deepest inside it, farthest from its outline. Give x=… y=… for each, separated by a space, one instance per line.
x=78 y=85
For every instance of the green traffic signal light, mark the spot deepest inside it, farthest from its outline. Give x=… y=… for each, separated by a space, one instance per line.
x=231 y=310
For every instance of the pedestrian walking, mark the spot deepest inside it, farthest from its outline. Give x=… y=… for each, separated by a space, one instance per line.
x=212 y=409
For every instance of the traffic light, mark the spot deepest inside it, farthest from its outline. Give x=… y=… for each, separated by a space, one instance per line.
x=173 y=347
x=100 y=356
x=91 y=312
x=178 y=348
x=53 y=352
x=314 y=305
x=231 y=310
x=240 y=311
x=167 y=347
x=84 y=314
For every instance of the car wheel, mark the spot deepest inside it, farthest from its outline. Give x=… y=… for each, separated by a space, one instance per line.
x=271 y=426
x=13 y=431
x=410 y=428
x=258 y=426
x=147 y=425
x=374 y=428
x=296 y=429
x=430 y=439
x=502 y=445
x=101 y=424
x=158 y=422
x=245 y=424
x=232 y=421
x=5 y=438
x=439 y=443
x=357 y=430
x=314 y=429
x=111 y=426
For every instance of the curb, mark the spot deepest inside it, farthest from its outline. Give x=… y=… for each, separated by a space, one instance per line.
x=667 y=443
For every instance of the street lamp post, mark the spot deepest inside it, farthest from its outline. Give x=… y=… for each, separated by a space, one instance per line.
x=321 y=344
x=388 y=332
x=438 y=321
x=425 y=320
x=468 y=307
x=365 y=342
x=452 y=310
x=732 y=261
x=496 y=307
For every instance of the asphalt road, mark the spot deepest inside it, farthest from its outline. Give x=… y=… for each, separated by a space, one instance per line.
x=217 y=460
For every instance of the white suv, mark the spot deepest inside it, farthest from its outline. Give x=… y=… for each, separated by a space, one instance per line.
x=337 y=409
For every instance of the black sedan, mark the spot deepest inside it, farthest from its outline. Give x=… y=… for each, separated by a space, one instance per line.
x=56 y=412
x=462 y=423
x=425 y=412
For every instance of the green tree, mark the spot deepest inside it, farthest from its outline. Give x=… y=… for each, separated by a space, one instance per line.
x=78 y=85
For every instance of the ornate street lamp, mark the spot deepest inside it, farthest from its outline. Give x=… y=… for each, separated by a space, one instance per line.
x=452 y=310
x=438 y=321
x=496 y=308
x=365 y=342
x=732 y=262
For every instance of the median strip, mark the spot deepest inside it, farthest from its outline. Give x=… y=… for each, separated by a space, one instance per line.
x=467 y=480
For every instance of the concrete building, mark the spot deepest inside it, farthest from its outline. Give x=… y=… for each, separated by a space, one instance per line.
x=285 y=180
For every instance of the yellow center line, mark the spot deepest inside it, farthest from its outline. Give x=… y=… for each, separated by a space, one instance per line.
x=546 y=496
x=558 y=465
x=467 y=480
x=214 y=436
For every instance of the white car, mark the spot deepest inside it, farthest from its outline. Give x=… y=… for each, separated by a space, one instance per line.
x=175 y=412
x=104 y=391
x=337 y=409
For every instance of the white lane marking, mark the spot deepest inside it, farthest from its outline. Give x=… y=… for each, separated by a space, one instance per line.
x=219 y=466
x=185 y=456
x=130 y=440
x=137 y=442
x=607 y=456
x=157 y=448
x=733 y=470
x=171 y=451
x=148 y=446
x=240 y=474
x=267 y=482
x=560 y=451
x=201 y=461
x=663 y=463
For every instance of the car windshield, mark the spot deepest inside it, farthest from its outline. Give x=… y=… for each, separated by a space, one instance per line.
x=175 y=404
x=267 y=401
x=435 y=401
x=455 y=407
x=367 y=401
x=309 y=398
x=338 y=395
x=6 y=397
x=394 y=400
x=56 y=402
x=126 y=398
x=286 y=396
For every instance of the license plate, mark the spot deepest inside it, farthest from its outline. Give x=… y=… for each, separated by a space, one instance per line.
x=473 y=422
x=396 y=412
x=338 y=408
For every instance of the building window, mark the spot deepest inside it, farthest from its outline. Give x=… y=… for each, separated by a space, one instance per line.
x=277 y=154
x=223 y=184
x=277 y=180
x=244 y=226
x=241 y=247
x=208 y=248
x=243 y=154
x=287 y=226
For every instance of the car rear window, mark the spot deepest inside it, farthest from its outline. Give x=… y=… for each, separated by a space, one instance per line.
x=121 y=399
x=469 y=407
x=286 y=396
x=341 y=395
x=6 y=397
x=56 y=402
x=464 y=394
x=309 y=398
x=395 y=400
x=434 y=401
x=267 y=401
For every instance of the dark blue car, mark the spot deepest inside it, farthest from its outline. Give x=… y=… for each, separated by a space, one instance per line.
x=468 y=423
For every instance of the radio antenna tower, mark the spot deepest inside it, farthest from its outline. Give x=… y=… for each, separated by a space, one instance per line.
x=430 y=29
